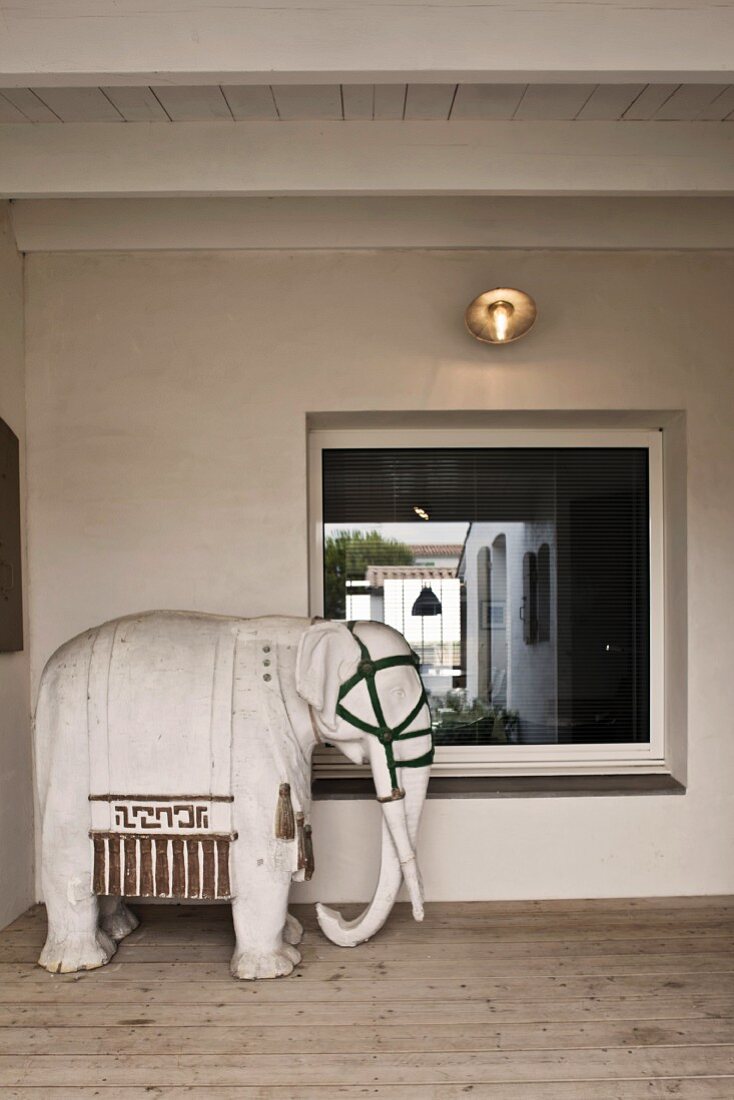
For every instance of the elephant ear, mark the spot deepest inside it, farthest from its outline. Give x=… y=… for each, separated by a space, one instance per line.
x=327 y=656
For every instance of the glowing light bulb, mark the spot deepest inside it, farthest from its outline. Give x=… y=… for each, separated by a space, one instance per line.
x=420 y=512
x=500 y=314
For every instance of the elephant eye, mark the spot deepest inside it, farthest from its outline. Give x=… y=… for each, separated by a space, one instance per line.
x=399 y=692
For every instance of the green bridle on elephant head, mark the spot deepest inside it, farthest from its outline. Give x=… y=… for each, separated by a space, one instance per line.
x=386 y=735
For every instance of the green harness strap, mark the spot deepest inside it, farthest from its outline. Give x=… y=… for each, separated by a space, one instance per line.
x=387 y=735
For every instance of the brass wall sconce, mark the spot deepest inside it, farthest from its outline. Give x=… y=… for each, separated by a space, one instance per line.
x=501 y=315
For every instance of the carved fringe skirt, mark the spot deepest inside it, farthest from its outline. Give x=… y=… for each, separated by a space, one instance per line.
x=161 y=866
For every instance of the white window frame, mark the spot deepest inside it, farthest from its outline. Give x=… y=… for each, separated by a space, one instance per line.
x=468 y=760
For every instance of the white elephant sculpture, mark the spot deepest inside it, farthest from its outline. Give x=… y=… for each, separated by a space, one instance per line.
x=174 y=759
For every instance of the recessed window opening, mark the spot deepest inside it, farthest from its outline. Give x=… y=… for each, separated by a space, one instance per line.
x=527 y=593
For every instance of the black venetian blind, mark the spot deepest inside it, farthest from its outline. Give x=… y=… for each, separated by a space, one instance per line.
x=588 y=583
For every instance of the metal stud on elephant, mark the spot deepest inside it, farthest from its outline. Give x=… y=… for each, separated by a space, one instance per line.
x=174 y=755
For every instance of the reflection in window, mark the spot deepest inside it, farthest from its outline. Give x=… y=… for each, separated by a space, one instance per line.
x=543 y=589
x=484 y=626
x=539 y=560
x=498 y=623
x=529 y=609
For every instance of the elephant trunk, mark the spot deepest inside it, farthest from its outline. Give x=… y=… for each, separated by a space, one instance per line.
x=400 y=819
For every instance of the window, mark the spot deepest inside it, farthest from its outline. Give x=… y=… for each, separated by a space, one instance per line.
x=525 y=569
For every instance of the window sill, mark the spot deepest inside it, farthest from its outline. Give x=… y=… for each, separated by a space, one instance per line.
x=511 y=786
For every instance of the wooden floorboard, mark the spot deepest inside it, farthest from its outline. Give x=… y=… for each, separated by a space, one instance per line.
x=580 y=1000
x=709 y=1088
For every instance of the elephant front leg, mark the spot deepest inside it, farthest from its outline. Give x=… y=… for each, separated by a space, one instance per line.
x=259 y=915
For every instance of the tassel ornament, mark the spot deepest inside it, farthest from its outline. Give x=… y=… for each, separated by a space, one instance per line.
x=305 y=847
x=308 y=844
x=285 y=825
x=300 y=822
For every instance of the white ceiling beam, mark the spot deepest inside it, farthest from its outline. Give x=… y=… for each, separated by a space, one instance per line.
x=330 y=158
x=106 y=42
x=87 y=225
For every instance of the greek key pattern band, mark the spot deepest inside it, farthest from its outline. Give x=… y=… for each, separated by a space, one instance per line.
x=145 y=817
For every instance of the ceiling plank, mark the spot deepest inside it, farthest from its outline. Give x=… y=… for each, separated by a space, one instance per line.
x=490 y=101
x=609 y=102
x=250 y=102
x=9 y=112
x=358 y=101
x=308 y=101
x=361 y=102
x=688 y=101
x=79 y=104
x=193 y=103
x=720 y=108
x=552 y=101
x=649 y=101
x=329 y=158
x=429 y=101
x=30 y=106
x=136 y=104
x=389 y=102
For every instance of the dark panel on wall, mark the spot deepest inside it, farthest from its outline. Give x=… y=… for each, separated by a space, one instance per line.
x=11 y=603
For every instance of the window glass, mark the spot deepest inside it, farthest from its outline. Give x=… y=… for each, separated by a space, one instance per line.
x=520 y=576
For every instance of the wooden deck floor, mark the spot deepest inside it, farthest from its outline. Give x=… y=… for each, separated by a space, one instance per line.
x=619 y=1000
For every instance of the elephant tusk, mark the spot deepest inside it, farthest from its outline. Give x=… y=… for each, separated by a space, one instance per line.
x=335 y=928
x=349 y=933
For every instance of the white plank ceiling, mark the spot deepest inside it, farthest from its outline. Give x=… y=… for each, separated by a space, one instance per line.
x=360 y=102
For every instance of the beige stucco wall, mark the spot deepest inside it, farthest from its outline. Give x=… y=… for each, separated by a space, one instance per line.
x=16 y=799
x=167 y=401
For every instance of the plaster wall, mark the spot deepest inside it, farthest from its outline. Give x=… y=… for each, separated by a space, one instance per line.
x=167 y=402
x=16 y=798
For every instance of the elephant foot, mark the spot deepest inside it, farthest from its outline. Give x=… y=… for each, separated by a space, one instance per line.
x=120 y=922
x=77 y=952
x=270 y=964
x=293 y=931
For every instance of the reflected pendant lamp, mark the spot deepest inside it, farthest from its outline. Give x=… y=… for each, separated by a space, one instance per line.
x=427 y=603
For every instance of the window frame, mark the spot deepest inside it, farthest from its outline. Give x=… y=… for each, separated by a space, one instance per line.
x=472 y=760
